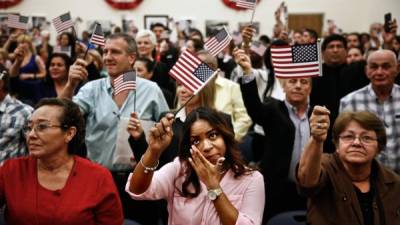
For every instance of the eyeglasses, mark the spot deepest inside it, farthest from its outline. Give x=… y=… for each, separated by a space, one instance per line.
x=40 y=127
x=365 y=139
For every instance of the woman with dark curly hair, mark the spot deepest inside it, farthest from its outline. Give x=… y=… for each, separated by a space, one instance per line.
x=52 y=184
x=207 y=183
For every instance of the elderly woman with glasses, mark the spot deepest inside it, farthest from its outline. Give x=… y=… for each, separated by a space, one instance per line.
x=349 y=186
x=52 y=185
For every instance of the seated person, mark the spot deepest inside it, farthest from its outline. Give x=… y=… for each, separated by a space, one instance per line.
x=208 y=164
x=349 y=186
x=52 y=184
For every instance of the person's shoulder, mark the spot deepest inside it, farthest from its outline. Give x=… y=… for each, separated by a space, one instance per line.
x=16 y=106
x=16 y=164
x=222 y=81
x=355 y=94
x=147 y=85
x=92 y=168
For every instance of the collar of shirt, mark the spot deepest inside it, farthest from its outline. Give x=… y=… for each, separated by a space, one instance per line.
x=181 y=115
x=393 y=92
x=293 y=110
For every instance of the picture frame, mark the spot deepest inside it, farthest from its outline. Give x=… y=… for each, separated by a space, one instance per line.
x=152 y=19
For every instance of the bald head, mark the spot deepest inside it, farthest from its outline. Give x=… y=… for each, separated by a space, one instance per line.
x=383 y=53
x=382 y=69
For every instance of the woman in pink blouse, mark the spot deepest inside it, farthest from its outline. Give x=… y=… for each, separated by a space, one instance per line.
x=207 y=183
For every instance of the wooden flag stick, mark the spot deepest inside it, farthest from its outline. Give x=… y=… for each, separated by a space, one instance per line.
x=180 y=108
x=252 y=16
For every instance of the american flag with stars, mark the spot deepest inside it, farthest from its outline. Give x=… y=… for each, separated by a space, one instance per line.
x=296 y=61
x=191 y=72
x=126 y=81
x=217 y=43
x=16 y=21
x=98 y=36
x=63 y=22
x=246 y=4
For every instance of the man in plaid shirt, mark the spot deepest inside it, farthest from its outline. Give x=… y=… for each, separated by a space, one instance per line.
x=382 y=97
x=13 y=117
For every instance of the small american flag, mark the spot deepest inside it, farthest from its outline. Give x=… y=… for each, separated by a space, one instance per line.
x=16 y=21
x=217 y=43
x=191 y=72
x=246 y=4
x=65 y=50
x=63 y=22
x=296 y=61
x=97 y=36
x=126 y=81
x=258 y=48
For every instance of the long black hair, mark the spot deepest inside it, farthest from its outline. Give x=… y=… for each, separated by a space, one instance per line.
x=233 y=159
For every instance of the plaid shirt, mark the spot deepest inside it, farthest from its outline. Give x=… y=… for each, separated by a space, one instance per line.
x=388 y=111
x=13 y=117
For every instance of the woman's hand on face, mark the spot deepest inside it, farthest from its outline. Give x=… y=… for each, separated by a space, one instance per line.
x=161 y=134
x=134 y=127
x=19 y=54
x=207 y=172
x=319 y=123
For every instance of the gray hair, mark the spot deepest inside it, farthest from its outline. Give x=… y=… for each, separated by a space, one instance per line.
x=147 y=33
x=132 y=47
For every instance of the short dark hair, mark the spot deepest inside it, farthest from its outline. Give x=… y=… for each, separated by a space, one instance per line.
x=312 y=33
x=132 y=47
x=71 y=116
x=150 y=65
x=366 y=120
x=333 y=37
x=233 y=159
x=153 y=25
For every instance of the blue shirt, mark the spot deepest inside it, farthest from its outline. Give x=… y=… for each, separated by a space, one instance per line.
x=302 y=134
x=103 y=115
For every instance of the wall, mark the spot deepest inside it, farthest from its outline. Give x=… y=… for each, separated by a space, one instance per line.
x=350 y=15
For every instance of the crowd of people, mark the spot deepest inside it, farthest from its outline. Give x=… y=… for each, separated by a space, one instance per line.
x=246 y=148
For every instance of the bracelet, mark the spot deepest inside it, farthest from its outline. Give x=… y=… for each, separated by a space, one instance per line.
x=149 y=169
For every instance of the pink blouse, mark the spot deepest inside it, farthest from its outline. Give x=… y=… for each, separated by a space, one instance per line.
x=246 y=193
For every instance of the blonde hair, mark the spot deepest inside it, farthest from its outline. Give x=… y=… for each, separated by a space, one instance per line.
x=26 y=39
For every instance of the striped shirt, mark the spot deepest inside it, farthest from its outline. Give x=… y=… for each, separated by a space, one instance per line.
x=388 y=111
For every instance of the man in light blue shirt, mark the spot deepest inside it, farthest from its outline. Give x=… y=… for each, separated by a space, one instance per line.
x=102 y=109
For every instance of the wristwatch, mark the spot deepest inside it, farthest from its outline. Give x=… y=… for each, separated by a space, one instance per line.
x=214 y=193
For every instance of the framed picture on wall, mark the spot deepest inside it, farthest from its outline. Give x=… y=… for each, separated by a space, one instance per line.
x=152 y=19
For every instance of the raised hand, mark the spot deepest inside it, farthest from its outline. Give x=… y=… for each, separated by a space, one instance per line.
x=242 y=59
x=247 y=34
x=19 y=54
x=161 y=134
x=134 y=127
x=319 y=123
x=77 y=72
x=207 y=172
x=388 y=37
